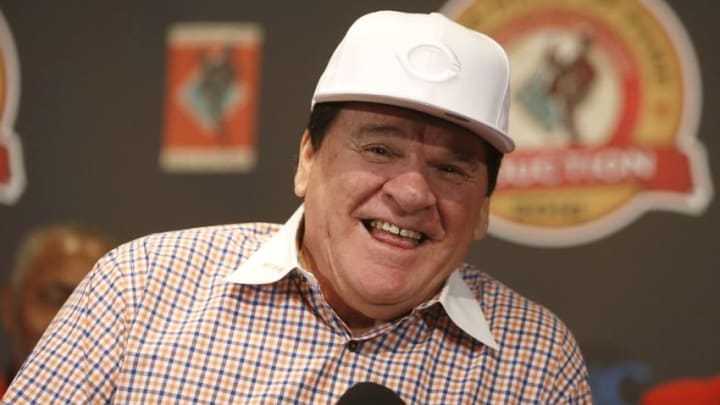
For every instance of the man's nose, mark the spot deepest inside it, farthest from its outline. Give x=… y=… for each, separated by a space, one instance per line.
x=410 y=191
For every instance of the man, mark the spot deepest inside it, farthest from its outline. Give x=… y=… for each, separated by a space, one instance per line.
x=364 y=283
x=50 y=262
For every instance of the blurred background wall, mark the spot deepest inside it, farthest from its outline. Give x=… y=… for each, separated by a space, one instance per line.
x=643 y=302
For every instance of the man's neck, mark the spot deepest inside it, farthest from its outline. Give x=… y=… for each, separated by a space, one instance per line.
x=357 y=322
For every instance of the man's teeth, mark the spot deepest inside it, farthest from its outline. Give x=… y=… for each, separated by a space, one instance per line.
x=392 y=228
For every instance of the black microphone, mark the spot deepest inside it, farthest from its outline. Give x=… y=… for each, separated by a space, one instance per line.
x=365 y=393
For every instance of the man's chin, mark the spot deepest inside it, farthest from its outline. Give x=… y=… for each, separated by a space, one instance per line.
x=384 y=306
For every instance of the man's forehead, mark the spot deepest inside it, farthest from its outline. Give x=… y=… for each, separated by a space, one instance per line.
x=380 y=119
x=376 y=111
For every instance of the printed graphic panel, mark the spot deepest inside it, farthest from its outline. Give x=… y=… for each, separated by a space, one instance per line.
x=12 y=171
x=605 y=109
x=213 y=75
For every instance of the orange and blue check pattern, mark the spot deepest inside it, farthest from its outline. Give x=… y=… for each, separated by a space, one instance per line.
x=155 y=322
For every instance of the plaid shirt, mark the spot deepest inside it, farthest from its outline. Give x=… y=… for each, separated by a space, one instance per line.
x=202 y=316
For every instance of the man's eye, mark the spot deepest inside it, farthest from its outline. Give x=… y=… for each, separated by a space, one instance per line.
x=379 y=150
x=377 y=153
x=54 y=295
x=452 y=170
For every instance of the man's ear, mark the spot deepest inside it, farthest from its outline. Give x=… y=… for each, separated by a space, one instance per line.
x=483 y=220
x=305 y=161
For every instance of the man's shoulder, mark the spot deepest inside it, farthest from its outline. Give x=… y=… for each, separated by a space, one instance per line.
x=241 y=236
x=207 y=248
x=180 y=260
x=510 y=313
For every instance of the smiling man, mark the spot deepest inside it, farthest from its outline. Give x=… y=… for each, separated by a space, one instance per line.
x=393 y=198
x=364 y=286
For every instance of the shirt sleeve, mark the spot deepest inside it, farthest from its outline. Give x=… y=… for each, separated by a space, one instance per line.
x=572 y=386
x=78 y=358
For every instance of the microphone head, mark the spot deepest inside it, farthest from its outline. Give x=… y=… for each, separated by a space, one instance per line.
x=370 y=393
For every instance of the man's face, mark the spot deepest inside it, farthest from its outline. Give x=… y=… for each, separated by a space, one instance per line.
x=50 y=278
x=393 y=199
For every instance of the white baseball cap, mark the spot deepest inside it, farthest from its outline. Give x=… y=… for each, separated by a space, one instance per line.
x=424 y=62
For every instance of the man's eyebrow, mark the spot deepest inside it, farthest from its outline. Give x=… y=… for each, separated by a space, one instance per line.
x=457 y=152
x=464 y=156
x=385 y=129
x=61 y=285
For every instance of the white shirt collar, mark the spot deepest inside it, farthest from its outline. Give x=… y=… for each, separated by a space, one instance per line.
x=278 y=256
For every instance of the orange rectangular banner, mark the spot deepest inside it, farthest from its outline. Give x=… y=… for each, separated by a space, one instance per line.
x=211 y=97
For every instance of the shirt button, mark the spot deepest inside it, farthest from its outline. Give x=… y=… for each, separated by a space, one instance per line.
x=354 y=346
